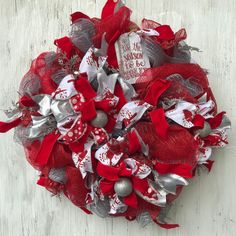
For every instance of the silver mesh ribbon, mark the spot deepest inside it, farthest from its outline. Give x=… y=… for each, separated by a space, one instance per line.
x=100 y=207
x=82 y=33
x=193 y=87
x=144 y=218
x=58 y=175
x=29 y=85
x=158 y=57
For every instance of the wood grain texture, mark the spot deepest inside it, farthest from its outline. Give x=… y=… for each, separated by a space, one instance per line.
x=206 y=207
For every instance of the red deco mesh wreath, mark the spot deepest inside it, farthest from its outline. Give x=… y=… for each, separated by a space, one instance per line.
x=119 y=117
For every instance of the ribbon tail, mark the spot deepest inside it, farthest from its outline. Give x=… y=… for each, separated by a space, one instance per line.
x=166 y=226
x=6 y=126
x=159 y=121
x=108 y=9
x=46 y=148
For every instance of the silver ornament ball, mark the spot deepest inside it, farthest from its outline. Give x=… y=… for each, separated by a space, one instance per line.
x=123 y=187
x=100 y=120
x=205 y=131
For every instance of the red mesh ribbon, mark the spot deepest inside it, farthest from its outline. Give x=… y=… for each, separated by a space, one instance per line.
x=149 y=24
x=120 y=22
x=61 y=156
x=50 y=185
x=179 y=147
x=75 y=189
x=166 y=38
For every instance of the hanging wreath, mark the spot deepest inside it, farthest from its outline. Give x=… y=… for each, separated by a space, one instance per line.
x=119 y=117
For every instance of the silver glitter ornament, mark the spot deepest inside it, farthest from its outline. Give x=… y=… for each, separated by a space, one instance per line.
x=205 y=131
x=100 y=120
x=123 y=187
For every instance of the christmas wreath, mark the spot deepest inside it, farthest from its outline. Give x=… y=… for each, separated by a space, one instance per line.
x=119 y=117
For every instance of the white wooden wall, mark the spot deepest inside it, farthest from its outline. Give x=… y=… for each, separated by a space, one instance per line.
x=207 y=207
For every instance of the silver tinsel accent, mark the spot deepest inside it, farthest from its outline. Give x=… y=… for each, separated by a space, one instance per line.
x=13 y=112
x=144 y=218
